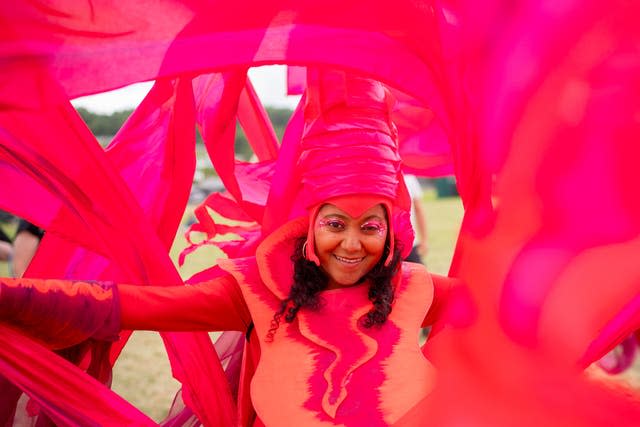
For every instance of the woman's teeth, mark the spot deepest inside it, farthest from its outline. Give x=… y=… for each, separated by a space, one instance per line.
x=349 y=260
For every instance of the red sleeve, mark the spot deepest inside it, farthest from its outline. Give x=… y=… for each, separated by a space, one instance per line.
x=215 y=305
x=61 y=313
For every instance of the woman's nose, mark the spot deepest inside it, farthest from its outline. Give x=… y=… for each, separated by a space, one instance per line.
x=351 y=242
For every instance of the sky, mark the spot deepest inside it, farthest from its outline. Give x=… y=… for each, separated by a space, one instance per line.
x=269 y=82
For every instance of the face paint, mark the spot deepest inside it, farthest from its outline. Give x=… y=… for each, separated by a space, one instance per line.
x=334 y=224
x=374 y=227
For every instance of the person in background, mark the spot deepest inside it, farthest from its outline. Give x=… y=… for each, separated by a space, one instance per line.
x=25 y=245
x=6 y=250
x=418 y=220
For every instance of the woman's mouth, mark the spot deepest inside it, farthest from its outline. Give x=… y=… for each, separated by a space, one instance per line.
x=348 y=260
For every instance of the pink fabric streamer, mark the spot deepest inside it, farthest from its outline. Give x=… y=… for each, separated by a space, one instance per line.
x=99 y=407
x=296 y=80
x=533 y=105
x=424 y=143
x=551 y=266
x=256 y=124
x=124 y=221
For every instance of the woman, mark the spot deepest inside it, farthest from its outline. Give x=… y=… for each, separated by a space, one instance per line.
x=326 y=301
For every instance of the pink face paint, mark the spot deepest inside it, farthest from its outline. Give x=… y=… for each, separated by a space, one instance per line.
x=331 y=223
x=375 y=227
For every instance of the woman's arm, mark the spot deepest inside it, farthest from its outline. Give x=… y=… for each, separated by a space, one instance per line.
x=215 y=305
x=61 y=313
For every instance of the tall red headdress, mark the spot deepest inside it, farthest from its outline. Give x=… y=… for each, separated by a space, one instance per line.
x=349 y=147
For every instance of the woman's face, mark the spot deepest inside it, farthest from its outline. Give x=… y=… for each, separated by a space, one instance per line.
x=349 y=247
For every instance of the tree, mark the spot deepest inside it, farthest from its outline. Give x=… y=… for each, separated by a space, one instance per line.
x=105 y=126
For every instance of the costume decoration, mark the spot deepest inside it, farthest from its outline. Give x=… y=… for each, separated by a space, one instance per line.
x=533 y=106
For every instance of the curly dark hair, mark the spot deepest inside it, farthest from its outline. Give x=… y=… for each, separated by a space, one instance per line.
x=309 y=280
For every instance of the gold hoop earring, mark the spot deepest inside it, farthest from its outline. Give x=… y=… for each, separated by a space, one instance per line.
x=304 y=250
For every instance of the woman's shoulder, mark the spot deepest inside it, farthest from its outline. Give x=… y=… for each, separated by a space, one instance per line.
x=416 y=271
x=416 y=278
x=414 y=292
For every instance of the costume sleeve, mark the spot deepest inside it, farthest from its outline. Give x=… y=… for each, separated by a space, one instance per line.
x=215 y=305
x=60 y=313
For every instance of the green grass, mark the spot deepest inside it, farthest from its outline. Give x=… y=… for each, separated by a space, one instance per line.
x=443 y=223
x=142 y=373
x=4 y=269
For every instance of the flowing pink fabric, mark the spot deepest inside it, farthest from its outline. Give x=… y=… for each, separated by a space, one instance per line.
x=123 y=232
x=550 y=264
x=296 y=80
x=63 y=37
x=535 y=103
x=424 y=143
x=100 y=406
x=574 y=131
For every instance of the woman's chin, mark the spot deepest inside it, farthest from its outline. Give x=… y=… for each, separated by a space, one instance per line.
x=343 y=283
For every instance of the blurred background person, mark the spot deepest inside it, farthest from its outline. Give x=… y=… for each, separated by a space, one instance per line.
x=6 y=250
x=25 y=245
x=418 y=220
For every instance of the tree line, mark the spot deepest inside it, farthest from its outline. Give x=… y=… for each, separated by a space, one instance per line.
x=105 y=126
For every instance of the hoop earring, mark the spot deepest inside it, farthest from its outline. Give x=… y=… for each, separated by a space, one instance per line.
x=304 y=250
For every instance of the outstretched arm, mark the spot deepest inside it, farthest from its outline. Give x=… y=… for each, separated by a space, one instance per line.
x=216 y=305
x=61 y=313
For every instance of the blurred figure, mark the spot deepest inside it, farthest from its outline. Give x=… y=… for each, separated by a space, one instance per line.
x=6 y=250
x=418 y=220
x=621 y=357
x=25 y=245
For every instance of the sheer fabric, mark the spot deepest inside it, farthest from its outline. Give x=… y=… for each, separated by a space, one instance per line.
x=532 y=105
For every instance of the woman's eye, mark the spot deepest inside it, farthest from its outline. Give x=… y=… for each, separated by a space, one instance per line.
x=372 y=228
x=336 y=225
x=332 y=224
